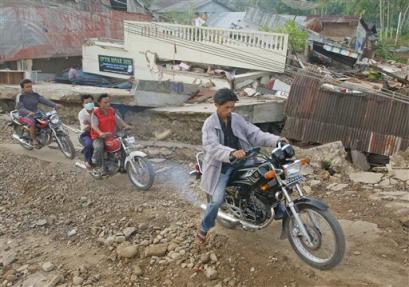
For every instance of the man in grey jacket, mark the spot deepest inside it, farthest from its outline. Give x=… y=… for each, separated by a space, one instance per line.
x=225 y=135
x=27 y=105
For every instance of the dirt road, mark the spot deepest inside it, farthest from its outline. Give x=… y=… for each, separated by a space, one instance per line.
x=59 y=227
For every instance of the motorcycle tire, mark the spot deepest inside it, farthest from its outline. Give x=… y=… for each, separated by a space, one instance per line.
x=333 y=223
x=133 y=178
x=66 y=146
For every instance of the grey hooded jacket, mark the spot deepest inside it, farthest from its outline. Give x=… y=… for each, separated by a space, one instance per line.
x=215 y=153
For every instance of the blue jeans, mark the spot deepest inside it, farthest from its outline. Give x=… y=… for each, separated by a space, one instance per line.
x=216 y=201
x=88 y=150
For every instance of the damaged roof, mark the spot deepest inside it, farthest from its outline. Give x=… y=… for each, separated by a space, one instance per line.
x=366 y=121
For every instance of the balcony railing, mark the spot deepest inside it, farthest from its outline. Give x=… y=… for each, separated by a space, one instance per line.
x=236 y=38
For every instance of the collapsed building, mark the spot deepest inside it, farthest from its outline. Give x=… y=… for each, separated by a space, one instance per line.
x=345 y=39
x=186 y=58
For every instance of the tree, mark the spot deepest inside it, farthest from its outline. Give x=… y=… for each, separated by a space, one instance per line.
x=296 y=36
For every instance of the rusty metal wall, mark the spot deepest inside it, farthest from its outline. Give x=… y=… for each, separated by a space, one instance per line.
x=366 y=122
x=31 y=32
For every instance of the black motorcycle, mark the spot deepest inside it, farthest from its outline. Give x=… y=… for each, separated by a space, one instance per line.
x=49 y=128
x=259 y=184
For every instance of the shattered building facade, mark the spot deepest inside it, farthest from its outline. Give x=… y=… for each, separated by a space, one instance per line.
x=33 y=32
x=345 y=39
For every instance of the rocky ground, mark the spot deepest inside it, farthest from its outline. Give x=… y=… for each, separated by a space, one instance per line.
x=60 y=227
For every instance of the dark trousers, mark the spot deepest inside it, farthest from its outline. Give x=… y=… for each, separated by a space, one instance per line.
x=88 y=150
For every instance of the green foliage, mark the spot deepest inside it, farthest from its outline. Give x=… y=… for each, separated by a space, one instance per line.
x=296 y=36
x=326 y=164
x=383 y=51
x=184 y=18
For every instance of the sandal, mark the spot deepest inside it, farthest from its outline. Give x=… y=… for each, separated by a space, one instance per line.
x=200 y=238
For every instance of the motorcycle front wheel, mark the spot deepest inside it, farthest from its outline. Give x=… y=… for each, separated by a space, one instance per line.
x=327 y=246
x=140 y=173
x=66 y=146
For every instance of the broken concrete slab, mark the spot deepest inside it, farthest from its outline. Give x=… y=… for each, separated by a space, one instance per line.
x=337 y=187
x=401 y=174
x=366 y=177
x=69 y=93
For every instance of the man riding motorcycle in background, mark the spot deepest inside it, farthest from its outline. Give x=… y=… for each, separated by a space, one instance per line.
x=27 y=105
x=225 y=138
x=104 y=122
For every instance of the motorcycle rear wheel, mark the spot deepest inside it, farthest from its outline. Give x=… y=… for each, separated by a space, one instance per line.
x=305 y=250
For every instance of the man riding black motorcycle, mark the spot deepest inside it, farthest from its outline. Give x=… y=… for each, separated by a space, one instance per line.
x=225 y=138
x=27 y=105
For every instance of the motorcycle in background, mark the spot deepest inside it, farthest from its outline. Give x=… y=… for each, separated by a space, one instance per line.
x=49 y=129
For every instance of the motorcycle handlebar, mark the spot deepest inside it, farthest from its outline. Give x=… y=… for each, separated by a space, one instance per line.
x=249 y=153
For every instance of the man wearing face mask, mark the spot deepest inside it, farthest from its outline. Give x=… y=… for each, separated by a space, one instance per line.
x=84 y=116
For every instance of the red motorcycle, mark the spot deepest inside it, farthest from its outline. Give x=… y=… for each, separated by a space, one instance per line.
x=120 y=155
x=49 y=128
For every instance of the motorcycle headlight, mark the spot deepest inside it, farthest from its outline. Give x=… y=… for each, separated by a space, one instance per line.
x=55 y=119
x=293 y=169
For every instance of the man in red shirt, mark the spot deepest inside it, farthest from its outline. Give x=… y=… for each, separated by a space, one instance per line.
x=104 y=122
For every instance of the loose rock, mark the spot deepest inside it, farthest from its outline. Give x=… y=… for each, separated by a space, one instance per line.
x=126 y=251
x=211 y=273
x=156 y=250
x=55 y=280
x=137 y=270
x=47 y=266
x=129 y=231
x=77 y=281
x=205 y=258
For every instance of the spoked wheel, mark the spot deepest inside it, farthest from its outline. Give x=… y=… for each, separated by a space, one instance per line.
x=66 y=146
x=140 y=173
x=327 y=246
x=24 y=140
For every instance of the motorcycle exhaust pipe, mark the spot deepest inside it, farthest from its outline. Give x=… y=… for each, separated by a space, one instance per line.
x=223 y=215
x=16 y=137
x=246 y=225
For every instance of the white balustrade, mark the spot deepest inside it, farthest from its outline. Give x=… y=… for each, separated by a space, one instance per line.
x=276 y=42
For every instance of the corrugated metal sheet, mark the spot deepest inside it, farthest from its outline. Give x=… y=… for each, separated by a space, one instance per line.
x=30 y=32
x=366 y=122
